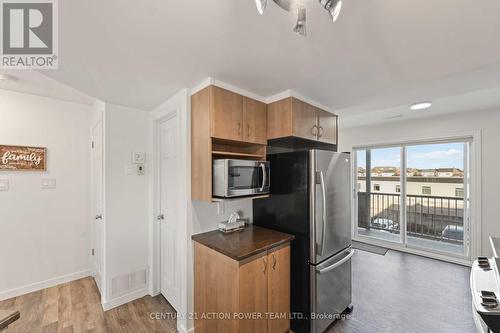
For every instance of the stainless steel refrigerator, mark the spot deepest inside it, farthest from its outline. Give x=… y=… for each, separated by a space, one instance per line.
x=310 y=198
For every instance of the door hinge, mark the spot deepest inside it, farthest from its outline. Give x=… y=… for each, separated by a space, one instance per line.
x=92 y=251
x=92 y=144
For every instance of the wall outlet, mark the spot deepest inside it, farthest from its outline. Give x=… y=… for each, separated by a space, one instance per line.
x=4 y=184
x=138 y=157
x=48 y=184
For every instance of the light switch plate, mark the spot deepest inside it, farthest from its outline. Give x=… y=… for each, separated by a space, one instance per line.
x=138 y=157
x=48 y=184
x=140 y=170
x=4 y=184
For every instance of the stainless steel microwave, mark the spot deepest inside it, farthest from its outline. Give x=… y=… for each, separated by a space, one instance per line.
x=238 y=178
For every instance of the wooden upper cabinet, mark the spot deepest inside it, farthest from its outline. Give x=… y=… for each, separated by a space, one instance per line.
x=279 y=119
x=327 y=124
x=293 y=117
x=279 y=288
x=226 y=114
x=305 y=120
x=254 y=121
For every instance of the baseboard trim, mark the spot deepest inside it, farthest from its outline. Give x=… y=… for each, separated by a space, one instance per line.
x=113 y=303
x=42 y=285
x=182 y=329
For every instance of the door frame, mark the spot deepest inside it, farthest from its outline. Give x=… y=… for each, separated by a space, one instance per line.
x=474 y=213
x=102 y=283
x=177 y=106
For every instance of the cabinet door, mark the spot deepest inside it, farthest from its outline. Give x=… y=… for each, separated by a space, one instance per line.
x=226 y=114
x=253 y=295
x=279 y=290
x=327 y=123
x=254 y=121
x=305 y=120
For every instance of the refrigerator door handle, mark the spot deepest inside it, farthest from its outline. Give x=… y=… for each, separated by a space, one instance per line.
x=323 y=225
x=337 y=264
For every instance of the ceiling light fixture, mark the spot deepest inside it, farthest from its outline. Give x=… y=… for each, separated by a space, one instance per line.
x=421 y=106
x=333 y=7
x=300 y=27
x=261 y=6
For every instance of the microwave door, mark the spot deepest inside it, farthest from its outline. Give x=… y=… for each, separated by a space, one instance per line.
x=246 y=178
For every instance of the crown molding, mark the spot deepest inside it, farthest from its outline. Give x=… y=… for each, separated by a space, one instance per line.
x=270 y=99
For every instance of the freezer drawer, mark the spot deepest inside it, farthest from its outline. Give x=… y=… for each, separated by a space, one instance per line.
x=331 y=289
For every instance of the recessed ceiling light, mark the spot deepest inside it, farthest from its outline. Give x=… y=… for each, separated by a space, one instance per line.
x=421 y=106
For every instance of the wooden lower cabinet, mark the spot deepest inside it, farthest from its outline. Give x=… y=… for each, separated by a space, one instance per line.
x=251 y=295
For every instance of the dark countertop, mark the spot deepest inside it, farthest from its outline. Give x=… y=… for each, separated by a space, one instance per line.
x=242 y=244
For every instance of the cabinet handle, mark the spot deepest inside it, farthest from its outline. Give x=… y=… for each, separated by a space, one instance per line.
x=320 y=132
x=248 y=128
x=239 y=128
x=264 y=265
x=274 y=262
x=314 y=130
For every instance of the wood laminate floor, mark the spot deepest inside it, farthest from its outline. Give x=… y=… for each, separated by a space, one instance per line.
x=75 y=307
x=404 y=293
x=395 y=293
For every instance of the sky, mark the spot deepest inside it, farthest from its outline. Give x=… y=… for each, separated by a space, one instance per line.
x=429 y=156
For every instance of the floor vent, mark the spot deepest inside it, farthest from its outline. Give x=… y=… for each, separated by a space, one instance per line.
x=125 y=283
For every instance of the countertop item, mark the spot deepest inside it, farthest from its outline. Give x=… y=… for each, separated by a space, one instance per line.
x=242 y=244
x=7 y=318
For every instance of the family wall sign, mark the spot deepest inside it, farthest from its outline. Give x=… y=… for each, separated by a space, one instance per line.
x=22 y=158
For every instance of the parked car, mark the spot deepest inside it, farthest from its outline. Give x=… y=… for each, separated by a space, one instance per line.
x=385 y=224
x=453 y=232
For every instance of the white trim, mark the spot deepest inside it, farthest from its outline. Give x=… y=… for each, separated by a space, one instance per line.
x=221 y=84
x=270 y=99
x=43 y=284
x=445 y=137
x=180 y=104
x=182 y=329
x=293 y=93
x=475 y=190
x=113 y=303
x=403 y=195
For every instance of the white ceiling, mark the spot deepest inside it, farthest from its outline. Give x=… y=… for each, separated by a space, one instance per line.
x=31 y=82
x=379 y=55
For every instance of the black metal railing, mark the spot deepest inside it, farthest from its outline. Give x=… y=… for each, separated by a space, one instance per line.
x=430 y=217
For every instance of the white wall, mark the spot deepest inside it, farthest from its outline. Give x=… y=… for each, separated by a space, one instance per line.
x=126 y=196
x=487 y=122
x=45 y=234
x=196 y=216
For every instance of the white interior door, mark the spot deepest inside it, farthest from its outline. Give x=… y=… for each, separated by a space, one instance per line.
x=169 y=176
x=97 y=188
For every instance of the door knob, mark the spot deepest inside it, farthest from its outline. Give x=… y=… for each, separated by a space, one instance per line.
x=98 y=217
x=160 y=217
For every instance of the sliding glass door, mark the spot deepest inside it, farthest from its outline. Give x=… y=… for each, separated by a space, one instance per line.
x=423 y=207
x=379 y=198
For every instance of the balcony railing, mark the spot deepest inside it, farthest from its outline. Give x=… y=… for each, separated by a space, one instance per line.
x=429 y=217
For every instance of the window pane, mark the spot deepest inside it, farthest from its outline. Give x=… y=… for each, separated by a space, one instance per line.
x=379 y=173
x=434 y=202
